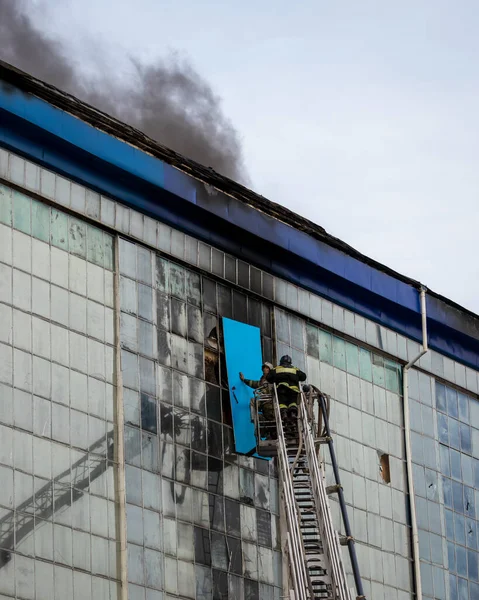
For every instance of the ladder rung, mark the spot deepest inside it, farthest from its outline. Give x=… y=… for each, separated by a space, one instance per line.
x=333 y=489
x=323 y=440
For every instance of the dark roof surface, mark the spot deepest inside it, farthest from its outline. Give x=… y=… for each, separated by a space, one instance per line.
x=122 y=131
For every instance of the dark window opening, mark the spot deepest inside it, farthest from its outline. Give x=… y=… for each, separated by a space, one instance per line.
x=149 y=418
x=384 y=468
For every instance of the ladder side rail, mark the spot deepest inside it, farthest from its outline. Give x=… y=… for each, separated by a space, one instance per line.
x=342 y=502
x=325 y=520
x=296 y=552
x=296 y=547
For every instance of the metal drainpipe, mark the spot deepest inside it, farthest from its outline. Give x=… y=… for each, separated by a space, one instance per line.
x=119 y=439
x=407 y=428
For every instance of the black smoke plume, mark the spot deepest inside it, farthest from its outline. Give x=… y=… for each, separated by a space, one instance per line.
x=169 y=100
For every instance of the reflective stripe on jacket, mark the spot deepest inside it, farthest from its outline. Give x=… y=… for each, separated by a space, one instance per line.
x=255 y=384
x=287 y=377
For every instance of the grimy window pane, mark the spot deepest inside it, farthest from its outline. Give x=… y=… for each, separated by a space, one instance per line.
x=193 y=288
x=282 y=326
x=95 y=246
x=77 y=236
x=59 y=229
x=325 y=347
x=40 y=221
x=451 y=399
x=365 y=366
x=21 y=212
x=339 y=353
x=441 y=397
x=352 y=358
x=177 y=281
x=5 y=205
x=297 y=333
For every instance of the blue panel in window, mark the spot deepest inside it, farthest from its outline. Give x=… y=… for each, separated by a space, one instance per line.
x=469 y=508
x=243 y=354
x=424 y=550
x=463 y=589
x=439 y=585
x=471 y=534
x=463 y=402
x=455 y=464
x=460 y=529
x=421 y=510
x=447 y=489
x=467 y=470
x=453 y=587
x=435 y=519
x=451 y=400
x=451 y=557
x=441 y=397
x=454 y=439
x=461 y=560
x=449 y=524
x=444 y=455
x=474 y=589
x=436 y=549
x=426 y=579
x=457 y=496
x=465 y=434
x=429 y=446
x=442 y=428
x=476 y=474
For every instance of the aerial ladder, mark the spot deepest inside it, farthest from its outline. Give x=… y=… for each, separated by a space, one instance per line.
x=316 y=565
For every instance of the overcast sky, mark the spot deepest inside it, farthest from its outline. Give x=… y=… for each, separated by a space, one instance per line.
x=362 y=116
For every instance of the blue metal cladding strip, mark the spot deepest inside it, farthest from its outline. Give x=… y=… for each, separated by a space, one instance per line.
x=243 y=354
x=153 y=171
x=114 y=168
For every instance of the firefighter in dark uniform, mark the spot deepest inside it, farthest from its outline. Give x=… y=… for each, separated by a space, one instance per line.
x=287 y=378
x=267 y=408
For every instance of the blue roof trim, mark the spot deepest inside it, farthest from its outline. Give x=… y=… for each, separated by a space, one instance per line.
x=152 y=170
x=67 y=145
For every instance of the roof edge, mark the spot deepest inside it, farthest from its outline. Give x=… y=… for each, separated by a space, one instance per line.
x=139 y=140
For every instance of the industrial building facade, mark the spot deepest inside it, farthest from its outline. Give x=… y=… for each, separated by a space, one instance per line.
x=118 y=471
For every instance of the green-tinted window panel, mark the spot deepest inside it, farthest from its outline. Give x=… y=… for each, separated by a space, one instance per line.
x=59 y=229
x=5 y=205
x=378 y=370
x=40 y=221
x=391 y=370
x=365 y=366
x=95 y=246
x=22 y=212
x=325 y=347
x=77 y=237
x=352 y=359
x=339 y=353
x=108 y=251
